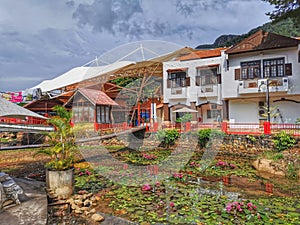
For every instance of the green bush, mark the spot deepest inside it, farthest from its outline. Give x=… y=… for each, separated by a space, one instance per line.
x=283 y=141
x=167 y=136
x=205 y=135
x=185 y=118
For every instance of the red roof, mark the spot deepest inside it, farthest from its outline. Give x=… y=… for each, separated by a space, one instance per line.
x=96 y=97
x=263 y=40
x=201 y=54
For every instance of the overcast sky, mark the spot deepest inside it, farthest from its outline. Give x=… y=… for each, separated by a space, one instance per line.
x=41 y=39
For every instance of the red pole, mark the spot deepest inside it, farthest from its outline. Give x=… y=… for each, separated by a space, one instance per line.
x=139 y=112
x=267 y=128
x=224 y=127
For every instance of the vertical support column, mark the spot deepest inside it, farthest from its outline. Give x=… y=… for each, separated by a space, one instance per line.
x=139 y=113
x=166 y=112
x=226 y=110
x=194 y=115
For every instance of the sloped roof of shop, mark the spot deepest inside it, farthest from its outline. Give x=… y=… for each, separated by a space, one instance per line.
x=43 y=104
x=202 y=54
x=9 y=109
x=263 y=40
x=96 y=97
x=79 y=74
x=152 y=66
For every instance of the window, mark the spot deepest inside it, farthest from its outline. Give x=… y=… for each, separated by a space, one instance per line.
x=177 y=79
x=83 y=112
x=103 y=114
x=273 y=67
x=213 y=113
x=206 y=76
x=250 y=70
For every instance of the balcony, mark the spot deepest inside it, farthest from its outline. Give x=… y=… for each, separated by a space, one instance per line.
x=207 y=91
x=177 y=93
x=280 y=84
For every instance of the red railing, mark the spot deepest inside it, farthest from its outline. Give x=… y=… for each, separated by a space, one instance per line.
x=243 y=128
x=228 y=128
x=28 y=121
x=116 y=126
x=292 y=129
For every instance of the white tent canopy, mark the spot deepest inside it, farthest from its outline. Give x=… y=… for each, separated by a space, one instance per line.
x=79 y=74
x=9 y=109
x=185 y=110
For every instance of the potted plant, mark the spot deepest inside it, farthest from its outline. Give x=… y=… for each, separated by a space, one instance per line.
x=62 y=150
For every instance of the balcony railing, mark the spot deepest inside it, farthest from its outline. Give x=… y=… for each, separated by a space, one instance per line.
x=179 y=92
x=280 y=84
x=208 y=91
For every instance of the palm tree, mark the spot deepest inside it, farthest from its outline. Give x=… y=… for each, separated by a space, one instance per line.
x=62 y=148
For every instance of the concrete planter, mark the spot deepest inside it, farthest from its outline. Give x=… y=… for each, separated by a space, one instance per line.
x=61 y=182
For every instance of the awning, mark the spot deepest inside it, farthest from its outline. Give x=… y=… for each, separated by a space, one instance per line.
x=9 y=109
x=185 y=110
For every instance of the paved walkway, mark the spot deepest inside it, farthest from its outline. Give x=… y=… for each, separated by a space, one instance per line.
x=32 y=210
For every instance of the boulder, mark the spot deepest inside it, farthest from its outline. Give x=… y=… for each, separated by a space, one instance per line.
x=97 y=217
x=269 y=166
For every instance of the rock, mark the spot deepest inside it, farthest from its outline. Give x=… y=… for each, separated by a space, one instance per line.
x=87 y=203
x=74 y=206
x=84 y=209
x=92 y=210
x=97 y=217
x=78 y=202
x=78 y=211
x=269 y=166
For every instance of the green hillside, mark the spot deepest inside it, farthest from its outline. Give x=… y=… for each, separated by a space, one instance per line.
x=285 y=27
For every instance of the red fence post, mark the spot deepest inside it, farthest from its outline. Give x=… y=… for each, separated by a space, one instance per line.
x=188 y=126
x=96 y=126
x=267 y=128
x=155 y=127
x=224 y=127
x=124 y=125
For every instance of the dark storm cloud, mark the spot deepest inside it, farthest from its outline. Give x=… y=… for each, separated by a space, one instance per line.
x=190 y=7
x=43 y=39
x=107 y=15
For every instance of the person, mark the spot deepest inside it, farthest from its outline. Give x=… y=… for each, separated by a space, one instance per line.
x=219 y=119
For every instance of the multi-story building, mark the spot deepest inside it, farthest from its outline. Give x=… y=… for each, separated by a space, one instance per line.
x=192 y=84
x=261 y=79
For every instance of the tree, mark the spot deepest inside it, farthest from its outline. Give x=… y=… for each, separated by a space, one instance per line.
x=62 y=141
x=285 y=9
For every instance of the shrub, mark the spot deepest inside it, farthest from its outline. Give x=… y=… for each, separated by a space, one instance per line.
x=283 y=141
x=205 y=135
x=167 y=136
x=185 y=118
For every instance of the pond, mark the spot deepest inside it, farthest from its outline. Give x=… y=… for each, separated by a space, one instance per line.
x=185 y=189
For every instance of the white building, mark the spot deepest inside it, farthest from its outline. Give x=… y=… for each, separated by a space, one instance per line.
x=261 y=59
x=194 y=81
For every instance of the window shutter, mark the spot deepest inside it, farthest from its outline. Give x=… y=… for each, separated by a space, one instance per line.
x=198 y=81
x=288 y=69
x=237 y=74
x=169 y=83
x=219 y=79
x=188 y=81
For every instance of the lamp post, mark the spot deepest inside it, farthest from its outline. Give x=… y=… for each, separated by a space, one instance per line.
x=267 y=98
x=152 y=107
